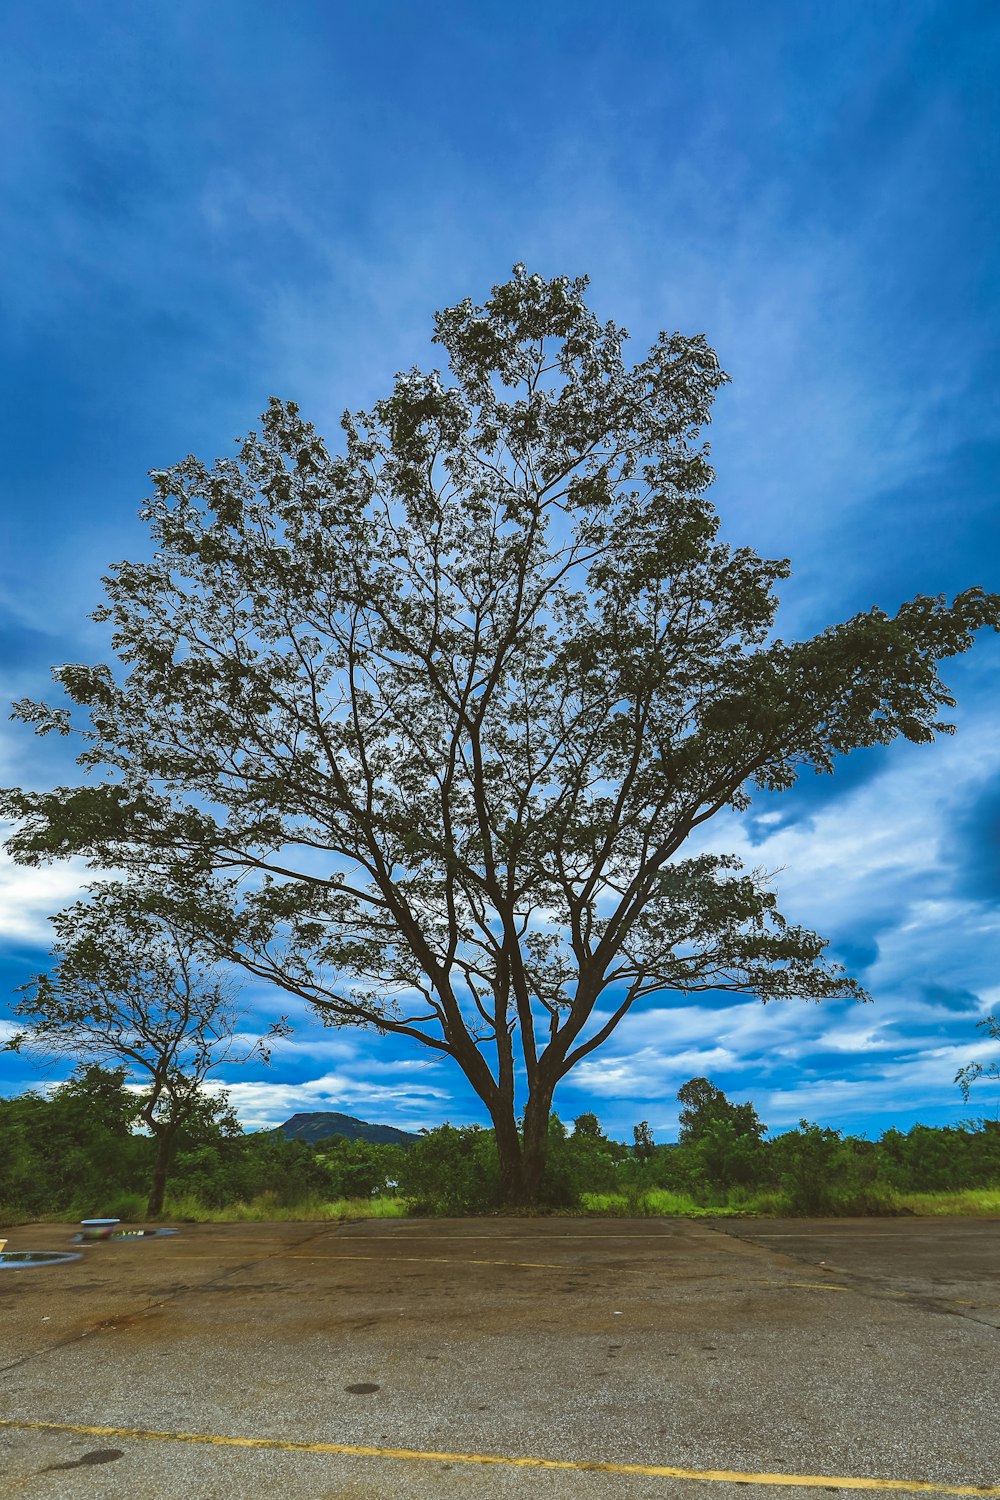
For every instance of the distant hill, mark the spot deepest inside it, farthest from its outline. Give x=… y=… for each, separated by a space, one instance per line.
x=319 y=1124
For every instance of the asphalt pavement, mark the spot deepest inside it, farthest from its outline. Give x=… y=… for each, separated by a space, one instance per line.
x=549 y=1358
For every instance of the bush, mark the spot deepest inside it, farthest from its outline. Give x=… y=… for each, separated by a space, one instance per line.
x=451 y=1171
x=359 y=1169
x=74 y=1150
x=575 y=1164
x=809 y=1168
x=129 y=1207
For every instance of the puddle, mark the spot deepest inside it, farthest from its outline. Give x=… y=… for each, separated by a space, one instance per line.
x=19 y=1260
x=112 y=1236
x=140 y=1234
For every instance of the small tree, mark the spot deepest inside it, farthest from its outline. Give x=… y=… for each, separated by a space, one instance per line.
x=128 y=987
x=723 y=1138
x=587 y=1127
x=644 y=1147
x=706 y=1106
x=811 y=1167
x=419 y=730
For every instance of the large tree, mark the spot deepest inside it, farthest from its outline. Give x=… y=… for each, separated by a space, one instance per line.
x=127 y=986
x=418 y=729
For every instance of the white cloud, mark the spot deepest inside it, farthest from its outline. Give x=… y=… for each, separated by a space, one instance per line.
x=408 y=1105
x=30 y=895
x=879 y=857
x=648 y=1074
x=924 y=1079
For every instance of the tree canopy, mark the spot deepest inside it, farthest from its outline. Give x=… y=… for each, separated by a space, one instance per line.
x=706 y=1106
x=418 y=728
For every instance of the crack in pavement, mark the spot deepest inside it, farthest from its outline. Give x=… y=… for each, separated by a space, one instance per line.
x=109 y=1324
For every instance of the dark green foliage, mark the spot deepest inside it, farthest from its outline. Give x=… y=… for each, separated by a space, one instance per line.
x=290 y=1170
x=577 y=1163
x=721 y=1141
x=706 y=1106
x=359 y=1168
x=949 y=1159
x=809 y=1165
x=644 y=1147
x=72 y=1151
x=78 y=1153
x=237 y=1168
x=587 y=1127
x=452 y=1171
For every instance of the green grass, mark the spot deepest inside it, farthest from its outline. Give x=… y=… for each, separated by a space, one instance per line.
x=656 y=1203
x=265 y=1208
x=771 y=1204
x=965 y=1203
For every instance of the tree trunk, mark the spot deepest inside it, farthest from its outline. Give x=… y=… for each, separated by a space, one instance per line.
x=512 y=1191
x=161 y=1164
x=536 y=1144
x=522 y=1157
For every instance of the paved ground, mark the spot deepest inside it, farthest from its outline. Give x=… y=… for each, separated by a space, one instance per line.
x=502 y=1357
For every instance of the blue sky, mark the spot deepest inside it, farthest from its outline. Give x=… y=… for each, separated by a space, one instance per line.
x=204 y=205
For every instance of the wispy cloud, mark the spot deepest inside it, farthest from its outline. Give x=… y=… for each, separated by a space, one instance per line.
x=29 y=896
x=408 y=1105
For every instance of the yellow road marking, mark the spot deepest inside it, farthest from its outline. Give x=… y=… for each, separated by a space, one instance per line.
x=388 y=1260
x=815 y=1286
x=654 y=1471
x=444 y=1260
x=570 y=1267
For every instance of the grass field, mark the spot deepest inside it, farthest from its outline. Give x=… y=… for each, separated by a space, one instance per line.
x=968 y=1203
x=658 y=1203
x=983 y=1203
x=266 y=1209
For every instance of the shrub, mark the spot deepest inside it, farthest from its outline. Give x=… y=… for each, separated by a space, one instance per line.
x=451 y=1170
x=808 y=1167
x=359 y=1169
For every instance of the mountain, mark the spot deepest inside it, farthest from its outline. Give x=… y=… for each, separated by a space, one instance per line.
x=319 y=1124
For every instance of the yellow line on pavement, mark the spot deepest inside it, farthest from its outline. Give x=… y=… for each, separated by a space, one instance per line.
x=391 y=1260
x=813 y=1286
x=654 y=1471
x=567 y=1266
x=570 y=1268
x=446 y=1260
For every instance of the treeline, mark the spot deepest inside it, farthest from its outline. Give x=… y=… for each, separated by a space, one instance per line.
x=810 y=1170
x=77 y=1153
